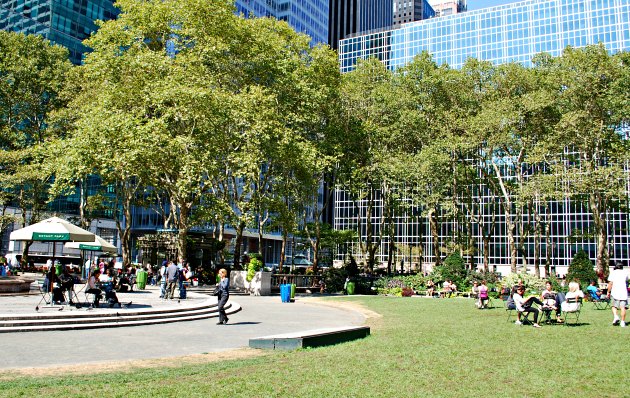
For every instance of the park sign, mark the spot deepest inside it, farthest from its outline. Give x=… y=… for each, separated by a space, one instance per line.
x=97 y=244
x=51 y=236
x=90 y=247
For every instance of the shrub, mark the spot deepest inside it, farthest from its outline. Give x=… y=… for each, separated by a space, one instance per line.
x=581 y=269
x=531 y=282
x=334 y=278
x=452 y=269
x=254 y=266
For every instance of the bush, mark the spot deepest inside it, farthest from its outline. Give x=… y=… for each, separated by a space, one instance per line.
x=254 y=266
x=334 y=278
x=531 y=282
x=581 y=269
x=452 y=269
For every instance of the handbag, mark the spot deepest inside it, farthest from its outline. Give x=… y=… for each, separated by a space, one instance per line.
x=217 y=291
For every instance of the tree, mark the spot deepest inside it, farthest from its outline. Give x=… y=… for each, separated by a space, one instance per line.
x=372 y=145
x=32 y=74
x=581 y=269
x=589 y=148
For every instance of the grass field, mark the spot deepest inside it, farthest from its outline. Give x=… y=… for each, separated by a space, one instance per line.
x=418 y=348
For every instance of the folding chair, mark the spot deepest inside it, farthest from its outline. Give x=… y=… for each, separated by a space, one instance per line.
x=571 y=308
x=600 y=303
x=510 y=309
x=45 y=292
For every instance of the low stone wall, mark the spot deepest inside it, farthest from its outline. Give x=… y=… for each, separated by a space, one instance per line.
x=259 y=286
x=15 y=284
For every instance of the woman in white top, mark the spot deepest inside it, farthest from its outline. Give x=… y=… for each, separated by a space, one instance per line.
x=574 y=292
x=525 y=306
x=92 y=287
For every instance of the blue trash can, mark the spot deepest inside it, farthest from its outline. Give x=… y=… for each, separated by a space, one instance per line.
x=285 y=293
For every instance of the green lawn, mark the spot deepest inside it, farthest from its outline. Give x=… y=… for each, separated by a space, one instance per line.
x=420 y=347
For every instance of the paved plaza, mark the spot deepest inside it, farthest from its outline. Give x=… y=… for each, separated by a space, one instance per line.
x=260 y=316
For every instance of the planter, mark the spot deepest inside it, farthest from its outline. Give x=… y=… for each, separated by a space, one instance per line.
x=15 y=284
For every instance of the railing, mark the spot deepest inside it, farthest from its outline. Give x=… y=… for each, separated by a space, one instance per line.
x=300 y=281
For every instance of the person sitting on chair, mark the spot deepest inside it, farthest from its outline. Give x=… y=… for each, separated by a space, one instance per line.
x=573 y=293
x=67 y=283
x=483 y=295
x=525 y=305
x=595 y=292
x=430 y=288
x=92 y=287
x=549 y=300
x=474 y=293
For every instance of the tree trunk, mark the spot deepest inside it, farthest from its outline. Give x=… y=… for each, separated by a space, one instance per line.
x=486 y=252
x=548 y=249
x=85 y=222
x=537 y=241
x=599 y=220
x=237 y=245
x=433 y=222
x=285 y=237
x=221 y=238
x=316 y=245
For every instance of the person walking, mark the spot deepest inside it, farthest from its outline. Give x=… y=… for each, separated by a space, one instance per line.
x=618 y=291
x=172 y=273
x=223 y=293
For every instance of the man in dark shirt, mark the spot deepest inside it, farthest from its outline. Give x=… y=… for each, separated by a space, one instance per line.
x=172 y=273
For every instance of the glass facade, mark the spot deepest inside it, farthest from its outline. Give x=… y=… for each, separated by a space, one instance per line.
x=306 y=16
x=350 y=17
x=410 y=11
x=509 y=33
x=64 y=22
x=501 y=34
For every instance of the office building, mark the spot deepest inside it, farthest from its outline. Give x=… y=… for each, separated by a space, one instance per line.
x=64 y=22
x=305 y=16
x=444 y=8
x=509 y=33
x=350 y=17
x=411 y=11
x=500 y=34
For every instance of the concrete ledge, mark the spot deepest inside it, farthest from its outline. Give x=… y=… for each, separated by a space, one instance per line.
x=92 y=320
x=310 y=338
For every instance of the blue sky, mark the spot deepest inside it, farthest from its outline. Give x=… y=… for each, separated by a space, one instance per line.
x=477 y=4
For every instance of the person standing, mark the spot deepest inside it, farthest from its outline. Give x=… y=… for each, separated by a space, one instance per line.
x=171 y=276
x=223 y=296
x=162 y=278
x=618 y=291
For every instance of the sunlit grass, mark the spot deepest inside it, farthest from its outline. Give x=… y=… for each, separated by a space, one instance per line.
x=420 y=347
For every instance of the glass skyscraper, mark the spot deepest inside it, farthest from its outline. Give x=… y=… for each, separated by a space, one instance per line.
x=64 y=22
x=501 y=34
x=351 y=17
x=306 y=16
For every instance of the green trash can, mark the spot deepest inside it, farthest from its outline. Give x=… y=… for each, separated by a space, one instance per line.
x=292 y=291
x=141 y=279
x=350 y=288
x=58 y=269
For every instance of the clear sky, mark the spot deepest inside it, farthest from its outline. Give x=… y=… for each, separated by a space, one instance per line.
x=477 y=4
